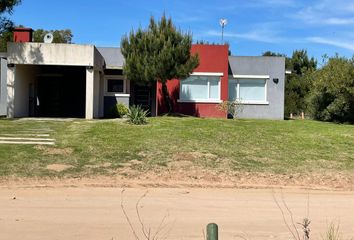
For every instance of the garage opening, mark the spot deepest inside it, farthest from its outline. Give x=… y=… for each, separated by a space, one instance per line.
x=59 y=91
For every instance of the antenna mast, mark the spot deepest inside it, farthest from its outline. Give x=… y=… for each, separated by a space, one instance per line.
x=223 y=22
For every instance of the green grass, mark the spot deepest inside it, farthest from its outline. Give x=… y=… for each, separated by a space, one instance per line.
x=100 y=147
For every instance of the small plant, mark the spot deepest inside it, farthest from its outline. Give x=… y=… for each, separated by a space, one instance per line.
x=232 y=108
x=137 y=115
x=145 y=232
x=332 y=232
x=119 y=110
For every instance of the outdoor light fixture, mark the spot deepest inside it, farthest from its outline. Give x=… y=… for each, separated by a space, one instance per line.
x=276 y=80
x=89 y=67
x=10 y=65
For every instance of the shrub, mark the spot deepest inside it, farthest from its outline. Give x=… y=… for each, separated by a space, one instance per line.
x=119 y=110
x=332 y=95
x=233 y=109
x=137 y=115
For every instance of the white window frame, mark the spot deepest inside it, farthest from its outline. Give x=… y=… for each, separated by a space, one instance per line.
x=116 y=94
x=208 y=100
x=250 y=77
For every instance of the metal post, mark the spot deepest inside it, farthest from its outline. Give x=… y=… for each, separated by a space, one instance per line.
x=222 y=33
x=212 y=231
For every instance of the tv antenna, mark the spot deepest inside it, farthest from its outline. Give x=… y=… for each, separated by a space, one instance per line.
x=223 y=23
x=48 y=38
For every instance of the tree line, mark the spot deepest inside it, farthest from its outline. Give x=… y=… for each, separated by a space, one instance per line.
x=323 y=92
x=7 y=26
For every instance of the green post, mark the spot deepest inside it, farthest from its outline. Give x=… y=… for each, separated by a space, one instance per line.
x=212 y=231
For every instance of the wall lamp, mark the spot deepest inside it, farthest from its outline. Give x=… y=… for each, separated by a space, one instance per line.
x=10 y=65
x=276 y=80
x=89 y=67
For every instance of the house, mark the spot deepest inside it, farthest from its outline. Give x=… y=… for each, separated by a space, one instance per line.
x=85 y=81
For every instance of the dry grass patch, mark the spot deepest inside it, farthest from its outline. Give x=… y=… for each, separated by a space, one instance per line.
x=59 y=167
x=54 y=151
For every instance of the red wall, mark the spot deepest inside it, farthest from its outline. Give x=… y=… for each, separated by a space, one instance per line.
x=212 y=58
x=23 y=34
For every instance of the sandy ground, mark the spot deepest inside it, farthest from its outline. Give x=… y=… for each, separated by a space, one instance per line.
x=89 y=212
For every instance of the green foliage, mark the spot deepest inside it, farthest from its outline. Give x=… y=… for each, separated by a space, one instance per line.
x=6 y=25
x=159 y=53
x=119 y=110
x=298 y=83
x=60 y=36
x=137 y=115
x=6 y=6
x=5 y=37
x=332 y=94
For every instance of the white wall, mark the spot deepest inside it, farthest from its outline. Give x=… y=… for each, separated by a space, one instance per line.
x=54 y=54
x=93 y=92
x=18 y=81
x=3 y=87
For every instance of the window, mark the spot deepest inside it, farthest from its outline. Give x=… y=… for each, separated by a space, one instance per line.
x=248 y=90
x=200 y=88
x=115 y=85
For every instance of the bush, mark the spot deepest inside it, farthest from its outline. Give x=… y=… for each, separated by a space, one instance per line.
x=332 y=95
x=137 y=115
x=119 y=110
x=233 y=109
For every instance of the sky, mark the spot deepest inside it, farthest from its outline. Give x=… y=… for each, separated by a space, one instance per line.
x=254 y=26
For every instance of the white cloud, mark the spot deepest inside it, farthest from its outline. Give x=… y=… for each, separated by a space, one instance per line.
x=327 y=12
x=258 y=36
x=332 y=42
x=339 y=21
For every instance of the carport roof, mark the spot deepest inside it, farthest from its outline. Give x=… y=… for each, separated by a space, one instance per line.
x=113 y=57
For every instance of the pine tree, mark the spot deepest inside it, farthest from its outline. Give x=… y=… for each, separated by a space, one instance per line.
x=159 y=53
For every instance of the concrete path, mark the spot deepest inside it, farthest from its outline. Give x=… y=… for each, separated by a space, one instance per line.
x=89 y=213
x=28 y=137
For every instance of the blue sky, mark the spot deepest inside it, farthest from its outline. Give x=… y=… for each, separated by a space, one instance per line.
x=254 y=26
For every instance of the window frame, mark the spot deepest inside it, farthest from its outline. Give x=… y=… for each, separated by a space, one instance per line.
x=206 y=100
x=251 y=77
x=117 y=94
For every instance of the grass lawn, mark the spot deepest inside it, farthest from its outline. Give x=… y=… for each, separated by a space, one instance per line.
x=104 y=146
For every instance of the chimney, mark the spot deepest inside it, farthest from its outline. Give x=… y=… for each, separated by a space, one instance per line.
x=23 y=34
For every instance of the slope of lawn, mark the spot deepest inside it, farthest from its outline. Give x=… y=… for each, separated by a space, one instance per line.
x=103 y=146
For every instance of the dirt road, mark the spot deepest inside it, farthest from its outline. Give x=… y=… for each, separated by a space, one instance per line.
x=95 y=212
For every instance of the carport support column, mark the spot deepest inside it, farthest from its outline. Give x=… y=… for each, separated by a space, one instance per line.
x=90 y=84
x=11 y=70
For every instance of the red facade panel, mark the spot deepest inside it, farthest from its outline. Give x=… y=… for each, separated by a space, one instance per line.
x=22 y=34
x=212 y=59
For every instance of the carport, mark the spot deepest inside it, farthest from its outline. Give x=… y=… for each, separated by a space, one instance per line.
x=54 y=80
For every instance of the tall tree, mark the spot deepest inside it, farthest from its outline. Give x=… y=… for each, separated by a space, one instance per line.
x=159 y=53
x=298 y=83
x=6 y=25
x=60 y=36
x=6 y=7
x=332 y=94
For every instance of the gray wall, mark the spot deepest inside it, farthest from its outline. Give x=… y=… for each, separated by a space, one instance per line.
x=275 y=68
x=3 y=88
x=110 y=101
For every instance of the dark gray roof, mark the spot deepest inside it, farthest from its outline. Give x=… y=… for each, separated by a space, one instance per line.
x=254 y=65
x=112 y=56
